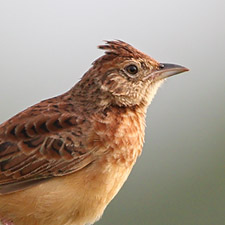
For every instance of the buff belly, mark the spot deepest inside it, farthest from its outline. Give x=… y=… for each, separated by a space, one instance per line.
x=74 y=199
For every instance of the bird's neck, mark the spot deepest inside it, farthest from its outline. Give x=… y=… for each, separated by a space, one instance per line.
x=121 y=131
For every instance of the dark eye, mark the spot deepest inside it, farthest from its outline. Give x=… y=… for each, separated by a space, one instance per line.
x=131 y=69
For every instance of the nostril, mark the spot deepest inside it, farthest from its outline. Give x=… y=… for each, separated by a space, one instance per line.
x=161 y=66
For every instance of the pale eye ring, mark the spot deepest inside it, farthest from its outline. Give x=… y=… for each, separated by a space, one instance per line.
x=131 y=69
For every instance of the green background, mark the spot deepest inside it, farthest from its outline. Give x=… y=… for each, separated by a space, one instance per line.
x=46 y=46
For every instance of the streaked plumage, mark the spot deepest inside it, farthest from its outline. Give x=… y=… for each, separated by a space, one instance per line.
x=64 y=159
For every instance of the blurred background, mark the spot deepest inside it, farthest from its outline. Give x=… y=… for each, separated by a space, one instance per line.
x=47 y=45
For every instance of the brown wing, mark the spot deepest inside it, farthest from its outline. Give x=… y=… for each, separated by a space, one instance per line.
x=37 y=146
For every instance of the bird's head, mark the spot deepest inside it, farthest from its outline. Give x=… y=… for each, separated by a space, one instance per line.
x=124 y=76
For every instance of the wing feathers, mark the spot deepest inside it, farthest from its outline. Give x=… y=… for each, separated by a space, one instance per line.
x=40 y=147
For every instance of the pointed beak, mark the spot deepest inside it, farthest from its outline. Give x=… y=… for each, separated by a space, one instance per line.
x=166 y=70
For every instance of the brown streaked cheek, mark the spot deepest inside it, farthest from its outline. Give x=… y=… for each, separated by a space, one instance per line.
x=115 y=84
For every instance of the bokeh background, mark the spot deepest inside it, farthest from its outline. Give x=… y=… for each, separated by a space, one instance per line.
x=46 y=46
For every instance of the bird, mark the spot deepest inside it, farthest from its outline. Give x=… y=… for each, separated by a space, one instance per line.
x=64 y=159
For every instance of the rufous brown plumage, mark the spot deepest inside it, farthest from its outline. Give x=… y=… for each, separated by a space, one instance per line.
x=65 y=158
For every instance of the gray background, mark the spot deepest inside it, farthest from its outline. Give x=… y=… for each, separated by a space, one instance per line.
x=46 y=46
